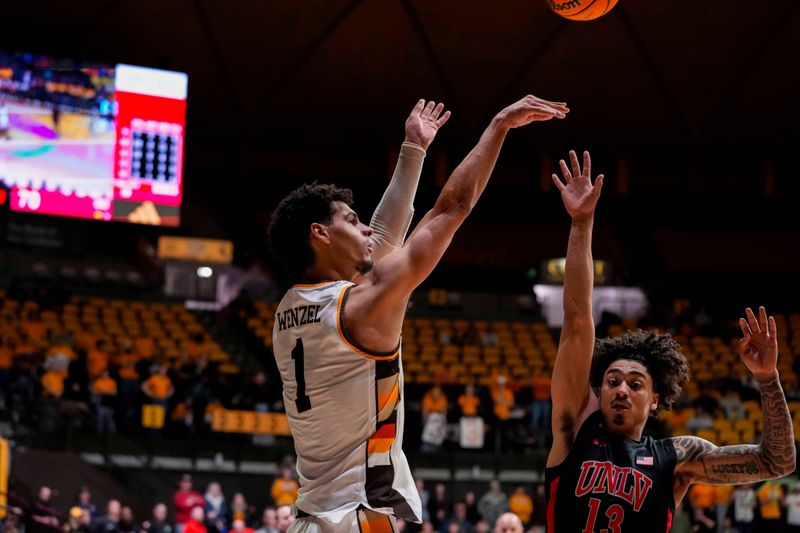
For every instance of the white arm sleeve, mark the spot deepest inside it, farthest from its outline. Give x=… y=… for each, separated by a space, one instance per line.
x=392 y=217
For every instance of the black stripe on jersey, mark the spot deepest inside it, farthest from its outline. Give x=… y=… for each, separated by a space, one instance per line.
x=387 y=369
x=350 y=339
x=380 y=493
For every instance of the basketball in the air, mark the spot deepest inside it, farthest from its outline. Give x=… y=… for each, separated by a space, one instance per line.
x=581 y=9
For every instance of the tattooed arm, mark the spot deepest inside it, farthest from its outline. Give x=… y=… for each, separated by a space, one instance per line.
x=700 y=460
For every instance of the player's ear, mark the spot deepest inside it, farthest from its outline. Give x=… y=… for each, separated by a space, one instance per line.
x=319 y=232
x=654 y=403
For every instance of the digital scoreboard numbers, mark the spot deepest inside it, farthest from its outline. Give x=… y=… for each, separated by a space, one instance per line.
x=149 y=152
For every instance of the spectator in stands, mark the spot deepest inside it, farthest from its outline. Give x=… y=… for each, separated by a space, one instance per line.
x=216 y=508
x=77 y=521
x=792 y=504
x=508 y=523
x=84 y=501
x=184 y=501
x=473 y=516
x=60 y=354
x=52 y=384
x=44 y=518
x=482 y=527
x=459 y=519
x=104 y=397
x=240 y=509
x=770 y=498
x=503 y=399
x=196 y=522
x=97 y=359
x=732 y=405
x=521 y=504
x=285 y=518
x=741 y=510
x=284 y=488
x=434 y=401
x=424 y=498
x=110 y=522
x=493 y=504
x=681 y=520
x=158 y=523
x=701 y=419
x=127 y=523
x=540 y=409
x=439 y=505
x=469 y=402
x=269 y=521
x=158 y=387
x=722 y=498
x=126 y=363
x=539 y=518
x=704 y=520
x=434 y=419
x=239 y=526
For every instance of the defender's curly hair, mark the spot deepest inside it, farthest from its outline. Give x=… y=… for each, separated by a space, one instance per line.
x=291 y=221
x=660 y=354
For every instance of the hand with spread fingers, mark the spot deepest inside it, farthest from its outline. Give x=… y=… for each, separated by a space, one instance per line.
x=577 y=192
x=759 y=348
x=424 y=122
x=531 y=109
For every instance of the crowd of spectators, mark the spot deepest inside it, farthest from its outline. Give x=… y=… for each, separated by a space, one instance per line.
x=50 y=376
x=189 y=512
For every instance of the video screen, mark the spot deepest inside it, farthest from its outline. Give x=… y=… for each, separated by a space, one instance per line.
x=86 y=140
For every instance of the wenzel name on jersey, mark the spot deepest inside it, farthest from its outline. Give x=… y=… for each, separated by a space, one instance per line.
x=298 y=316
x=623 y=482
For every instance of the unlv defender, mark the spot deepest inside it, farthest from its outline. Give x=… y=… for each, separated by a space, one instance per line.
x=602 y=475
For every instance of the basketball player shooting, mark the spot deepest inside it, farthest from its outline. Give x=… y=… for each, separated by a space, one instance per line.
x=337 y=342
x=602 y=475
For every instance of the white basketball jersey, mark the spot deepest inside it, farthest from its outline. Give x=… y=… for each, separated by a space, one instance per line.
x=345 y=410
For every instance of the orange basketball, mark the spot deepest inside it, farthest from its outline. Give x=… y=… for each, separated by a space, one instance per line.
x=581 y=9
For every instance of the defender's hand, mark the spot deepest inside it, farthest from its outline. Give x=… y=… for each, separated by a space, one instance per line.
x=578 y=194
x=759 y=348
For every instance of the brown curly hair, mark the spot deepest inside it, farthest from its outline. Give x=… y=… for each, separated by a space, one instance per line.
x=660 y=354
x=291 y=222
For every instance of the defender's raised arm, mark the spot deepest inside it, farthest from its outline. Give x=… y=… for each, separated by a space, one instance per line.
x=570 y=391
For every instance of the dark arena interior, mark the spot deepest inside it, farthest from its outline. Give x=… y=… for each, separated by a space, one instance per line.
x=138 y=293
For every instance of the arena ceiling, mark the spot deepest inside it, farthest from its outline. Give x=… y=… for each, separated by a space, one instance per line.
x=699 y=70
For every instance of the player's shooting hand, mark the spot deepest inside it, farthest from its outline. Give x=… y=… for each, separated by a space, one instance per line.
x=577 y=192
x=531 y=109
x=424 y=122
x=759 y=348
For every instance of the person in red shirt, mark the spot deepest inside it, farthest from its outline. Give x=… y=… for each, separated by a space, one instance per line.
x=196 y=522
x=186 y=500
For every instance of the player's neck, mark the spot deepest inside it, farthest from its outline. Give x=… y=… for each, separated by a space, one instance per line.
x=631 y=433
x=319 y=272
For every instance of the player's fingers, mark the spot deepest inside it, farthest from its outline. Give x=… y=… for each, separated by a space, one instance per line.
x=745 y=329
x=598 y=184
x=576 y=167
x=762 y=319
x=429 y=107
x=560 y=186
x=420 y=105
x=773 y=329
x=565 y=171
x=751 y=319
x=437 y=111
x=443 y=119
x=587 y=163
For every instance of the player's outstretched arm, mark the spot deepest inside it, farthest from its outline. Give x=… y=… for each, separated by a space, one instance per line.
x=376 y=307
x=700 y=460
x=570 y=380
x=392 y=217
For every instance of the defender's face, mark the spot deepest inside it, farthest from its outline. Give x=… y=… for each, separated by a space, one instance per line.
x=627 y=397
x=350 y=239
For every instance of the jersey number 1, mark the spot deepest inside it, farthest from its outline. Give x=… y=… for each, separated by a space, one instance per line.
x=615 y=515
x=303 y=401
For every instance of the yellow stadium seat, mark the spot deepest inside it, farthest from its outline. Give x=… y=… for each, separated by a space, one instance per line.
x=708 y=434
